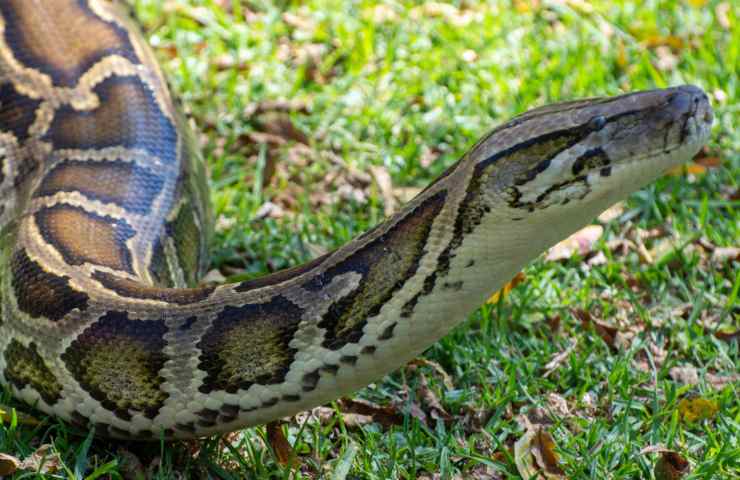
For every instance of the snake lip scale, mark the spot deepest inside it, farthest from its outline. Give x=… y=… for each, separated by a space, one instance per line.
x=105 y=223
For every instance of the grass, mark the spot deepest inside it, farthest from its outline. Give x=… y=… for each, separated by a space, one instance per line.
x=404 y=88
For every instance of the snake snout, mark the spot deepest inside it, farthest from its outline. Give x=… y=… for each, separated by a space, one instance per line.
x=690 y=102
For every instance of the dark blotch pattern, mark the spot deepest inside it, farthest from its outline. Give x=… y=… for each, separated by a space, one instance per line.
x=85 y=237
x=248 y=345
x=122 y=183
x=281 y=276
x=128 y=116
x=118 y=362
x=385 y=264
x=185 y=231
x=158 y=267
x=593 y=158
x=17 y=113
x=41 y=294
x=310 y=380
x=131 y=289
x=24 y=366
x=51 y=44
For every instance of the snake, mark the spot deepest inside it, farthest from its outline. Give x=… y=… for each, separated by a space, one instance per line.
x=105 y=222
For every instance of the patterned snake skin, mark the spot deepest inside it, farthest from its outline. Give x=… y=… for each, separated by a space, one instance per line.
x=105 y=224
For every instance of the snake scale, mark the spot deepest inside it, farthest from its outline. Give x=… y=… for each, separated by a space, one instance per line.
x=105 y=223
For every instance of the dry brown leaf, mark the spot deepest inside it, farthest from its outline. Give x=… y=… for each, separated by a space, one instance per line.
x=558 y=404
x=607 y=332
x=404 y=194
x=130 y=465
x=8 y=464
x=671 y=466
x=708 y=161
x=534 y=454
x=284 y=453
x=43 y=460
x=722 y=12
x=581 y=242
x=612 y=213
x=280 y=125
x=429 y=398
x=687 y=169
x=697 y=409
x=386 y=416
x=720 y=381
x=667 y=60
x=671 y=41
x=726 y=336
x=499 y=295
x=423 y=362
x=285 y=106
x=546 y=456
x=385 y=185
x=725 y=254
x=559 y=358
x=356 y=420
x=685 y=375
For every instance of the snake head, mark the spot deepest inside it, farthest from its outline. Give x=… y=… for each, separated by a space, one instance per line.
x=587 y=154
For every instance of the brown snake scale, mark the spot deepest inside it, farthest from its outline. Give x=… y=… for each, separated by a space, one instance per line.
x=105 y=223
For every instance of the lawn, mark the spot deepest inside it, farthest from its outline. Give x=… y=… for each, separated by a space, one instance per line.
x=318 y=117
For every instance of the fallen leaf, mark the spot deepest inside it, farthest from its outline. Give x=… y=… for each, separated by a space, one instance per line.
x=213 y=277
x=280 y=125
x=404 y=194
x=523 y=457
x=727 y=336
x=558 y=404
x=685 y=375
x=607 y=332
x=8 y=464
x=546 y=456
x=429 y=398
x=356 y=420
x=130 y=465
x=286 y=106
x=386 y=416
x=43 y=460
x=534 y=454
x=672 y=41
x=383 y=180
x=670 y=466
x=499 y=295
x=559 y=359
x=697 y=409
x=722 y=11
x=283 y=451
x=708 y=161
x=725 y=255
x=581 y=242
x=423 y=362
x=654 y=449
x=687 y=169
x=611 y=213
x=720 y=381
x=269 y=210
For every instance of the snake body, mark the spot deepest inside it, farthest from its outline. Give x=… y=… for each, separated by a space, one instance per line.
x=105 y=222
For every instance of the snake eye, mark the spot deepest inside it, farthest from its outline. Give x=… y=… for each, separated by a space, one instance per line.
x=597 y=123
